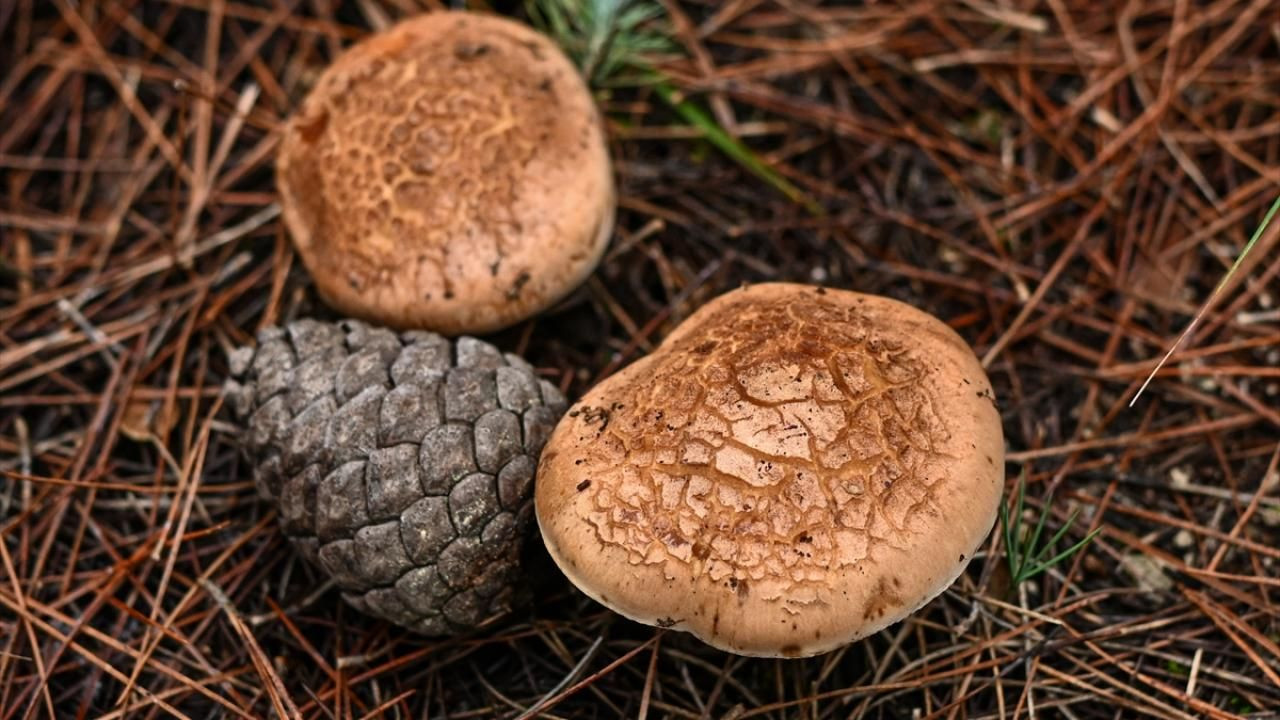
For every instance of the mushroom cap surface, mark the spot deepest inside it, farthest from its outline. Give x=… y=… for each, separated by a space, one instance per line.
x=449 y=173
x=792 y=469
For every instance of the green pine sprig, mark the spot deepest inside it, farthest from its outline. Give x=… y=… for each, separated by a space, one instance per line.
x=613 y=42
x=617 y=43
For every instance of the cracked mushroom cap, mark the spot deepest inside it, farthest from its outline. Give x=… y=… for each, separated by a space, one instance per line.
x=793 y=469
x=449 y=173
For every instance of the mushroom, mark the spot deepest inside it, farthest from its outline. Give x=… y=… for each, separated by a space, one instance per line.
x=792 y=469
x=449 y=173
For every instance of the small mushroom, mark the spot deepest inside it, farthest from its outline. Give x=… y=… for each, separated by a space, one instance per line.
x=449 y=173
x=793 y=469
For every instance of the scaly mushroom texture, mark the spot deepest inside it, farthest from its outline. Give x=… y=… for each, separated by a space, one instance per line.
x=450 y=174
x=794 y=468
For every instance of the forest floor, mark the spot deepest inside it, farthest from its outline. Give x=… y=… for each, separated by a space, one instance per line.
x=1063 y=182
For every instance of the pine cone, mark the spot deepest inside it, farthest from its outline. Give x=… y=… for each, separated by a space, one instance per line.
x=402 y=464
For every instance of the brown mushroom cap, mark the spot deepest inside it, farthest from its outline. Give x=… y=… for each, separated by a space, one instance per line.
x=792 y=469
x=449 y=173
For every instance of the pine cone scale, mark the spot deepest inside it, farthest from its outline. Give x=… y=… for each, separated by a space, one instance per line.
x=515 y=482
x=409 y=411
x=342 y=506
x=517 y=390
x=426 y=529
x=392 y=482
x=446 y=455
x=470 y=393
x=498 y=438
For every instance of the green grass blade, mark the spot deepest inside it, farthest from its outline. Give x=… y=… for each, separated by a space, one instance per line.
x=1041 y=567
x=1071 y=519
x=1013 y=547
x=1209 y=302
x=1033 y=542
x=1008 y=538
x=731 y=146
x=1026 y=555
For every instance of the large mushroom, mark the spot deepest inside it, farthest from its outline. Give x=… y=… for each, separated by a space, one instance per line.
x=792 y=469
x=449 y=173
